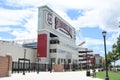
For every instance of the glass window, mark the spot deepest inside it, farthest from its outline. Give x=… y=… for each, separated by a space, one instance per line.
x=58 y=61
x=53 y=50
x=53 y=60
x=54 y=41
x=69 y=60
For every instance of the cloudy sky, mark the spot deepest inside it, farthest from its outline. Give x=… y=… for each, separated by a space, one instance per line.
x=18 y=19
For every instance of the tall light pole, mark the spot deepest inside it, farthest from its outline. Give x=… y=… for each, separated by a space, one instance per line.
x=38 y=66
x=24 y=62
x=87 y=72
x=104 y=36
x=51 y=66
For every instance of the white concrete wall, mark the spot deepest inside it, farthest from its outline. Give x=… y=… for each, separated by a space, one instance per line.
x=16 y=51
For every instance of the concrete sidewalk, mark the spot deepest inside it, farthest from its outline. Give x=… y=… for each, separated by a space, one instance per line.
x=80 y=75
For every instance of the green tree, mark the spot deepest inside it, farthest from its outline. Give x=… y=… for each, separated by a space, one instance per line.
x=114 y=58
x=109 y=58
x=118 y=47
x=112 y=55
x=115 y=51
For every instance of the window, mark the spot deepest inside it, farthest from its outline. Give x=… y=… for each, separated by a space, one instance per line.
x=54 y=41
x=53 y=50
x=58 y=61
x=80 y=55
x=69 y=60
x=53 y=60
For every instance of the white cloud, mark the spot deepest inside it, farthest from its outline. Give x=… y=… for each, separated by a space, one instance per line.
x=30 y=31
x=113 y=37
x=98 y=45
x=93 y=42
x=13 y=17
x=26 y=18
x=5 y=29
x=103 y=13
x=98 y=50
x=24 y=3
x=98 y=12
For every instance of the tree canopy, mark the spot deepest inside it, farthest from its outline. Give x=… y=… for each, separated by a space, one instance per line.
x=114 y=55
x=118 y=47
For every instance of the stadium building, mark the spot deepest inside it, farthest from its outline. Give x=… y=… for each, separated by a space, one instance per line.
x=56 y=38
x=54 y=48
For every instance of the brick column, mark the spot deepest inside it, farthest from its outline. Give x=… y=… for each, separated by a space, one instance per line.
x=9 y=65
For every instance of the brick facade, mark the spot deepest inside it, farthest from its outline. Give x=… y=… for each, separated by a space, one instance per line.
x=58 y=67
x=5 y=66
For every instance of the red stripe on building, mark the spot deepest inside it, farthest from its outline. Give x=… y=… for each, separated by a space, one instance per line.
x=42 y=45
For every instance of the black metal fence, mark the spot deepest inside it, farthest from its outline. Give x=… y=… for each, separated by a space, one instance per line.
x=18 y=67
x=29 y=67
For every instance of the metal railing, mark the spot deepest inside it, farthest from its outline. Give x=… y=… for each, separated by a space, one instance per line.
x=29 y=67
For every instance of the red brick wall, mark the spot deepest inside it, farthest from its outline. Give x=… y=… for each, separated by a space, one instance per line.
x=58 y=67
x=5 y=66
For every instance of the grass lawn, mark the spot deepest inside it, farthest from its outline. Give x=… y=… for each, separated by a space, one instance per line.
x=112 y=75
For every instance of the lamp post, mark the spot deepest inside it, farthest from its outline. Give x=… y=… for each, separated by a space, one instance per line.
x=104 y=36
x=24 y=62
x=38 y=66
x=50 y=63
x=51 y=66
x=86 y=63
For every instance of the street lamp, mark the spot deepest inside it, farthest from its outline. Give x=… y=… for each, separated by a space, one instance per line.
x=24 y=62
x=51 y=66
x=38 y=66
x=104 y=36
x=50 y=63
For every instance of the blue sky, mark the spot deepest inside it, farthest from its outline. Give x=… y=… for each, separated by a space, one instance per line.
x=74 y=13
x=18 y=20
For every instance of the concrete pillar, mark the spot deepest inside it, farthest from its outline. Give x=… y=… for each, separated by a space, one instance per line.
x=46 y=67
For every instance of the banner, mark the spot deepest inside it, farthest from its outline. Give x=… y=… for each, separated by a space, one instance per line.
x=42 y=45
